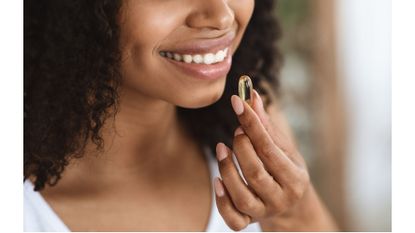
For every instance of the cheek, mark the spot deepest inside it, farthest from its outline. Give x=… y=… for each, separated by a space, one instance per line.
x=142 y=30
x=243 y=11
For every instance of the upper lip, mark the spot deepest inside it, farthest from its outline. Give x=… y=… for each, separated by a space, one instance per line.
x=203 y=45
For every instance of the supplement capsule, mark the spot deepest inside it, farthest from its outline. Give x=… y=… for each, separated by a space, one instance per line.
x=245 y=88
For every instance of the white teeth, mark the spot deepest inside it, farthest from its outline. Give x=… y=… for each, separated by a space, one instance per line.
x=197 y=59
x=219 y=56
x=177 y=57
x=207 y=59
x=187 y=58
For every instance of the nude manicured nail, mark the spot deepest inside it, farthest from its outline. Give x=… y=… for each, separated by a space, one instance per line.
x=219 y=190
x=258 y=99
x=237 y=105
x=238 y=131
x=221 y=151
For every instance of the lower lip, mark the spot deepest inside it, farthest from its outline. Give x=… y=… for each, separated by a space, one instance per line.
x=203 y=71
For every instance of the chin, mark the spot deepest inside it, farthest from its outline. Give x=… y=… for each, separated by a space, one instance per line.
x=200 y=100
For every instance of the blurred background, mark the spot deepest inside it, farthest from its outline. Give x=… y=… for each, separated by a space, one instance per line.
x=335 y=90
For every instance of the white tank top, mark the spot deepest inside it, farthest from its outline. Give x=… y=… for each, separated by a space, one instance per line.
x=39 y=216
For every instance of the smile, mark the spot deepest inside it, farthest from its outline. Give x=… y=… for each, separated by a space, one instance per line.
x=207 y=58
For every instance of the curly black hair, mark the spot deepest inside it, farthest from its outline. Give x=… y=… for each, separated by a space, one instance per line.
x=71 y=80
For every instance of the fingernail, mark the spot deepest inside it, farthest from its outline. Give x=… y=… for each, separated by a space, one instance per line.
x=259 y=99
x=238 y=131
x=219 y=190
x=221 y=151
x=237 y=105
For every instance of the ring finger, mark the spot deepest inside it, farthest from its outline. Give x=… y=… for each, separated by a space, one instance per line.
x=243 y=199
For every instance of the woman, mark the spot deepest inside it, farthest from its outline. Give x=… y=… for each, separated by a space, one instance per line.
x=126 y=105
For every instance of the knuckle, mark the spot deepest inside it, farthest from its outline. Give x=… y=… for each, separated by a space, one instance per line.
x=267 y=150
x=278 y=207
x=245 y=206
x=237 y=225
x=259 y=176
x=297 y=191
x=298 y=188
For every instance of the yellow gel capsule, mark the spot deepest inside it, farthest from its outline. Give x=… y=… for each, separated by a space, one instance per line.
x=245 y=88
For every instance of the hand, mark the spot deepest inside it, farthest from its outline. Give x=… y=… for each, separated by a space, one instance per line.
x=276 y=175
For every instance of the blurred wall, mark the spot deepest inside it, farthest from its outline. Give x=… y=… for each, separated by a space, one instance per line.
x=312 y=97
x=335 y=91
x=364 y=59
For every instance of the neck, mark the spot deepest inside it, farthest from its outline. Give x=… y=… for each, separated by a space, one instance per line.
x=144 y=137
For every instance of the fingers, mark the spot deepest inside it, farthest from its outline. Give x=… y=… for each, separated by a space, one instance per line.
x=272 y=172
x=258 y=107
x=277 y=134
x=242 y=198
x=274 y=159
x=253 y=169
x=233 y=218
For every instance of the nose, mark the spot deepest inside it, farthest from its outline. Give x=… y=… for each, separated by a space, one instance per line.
x=213 y=14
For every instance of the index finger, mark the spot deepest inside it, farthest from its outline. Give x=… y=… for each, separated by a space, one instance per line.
x=276 y=131
x=272 y=156
x=251 y=123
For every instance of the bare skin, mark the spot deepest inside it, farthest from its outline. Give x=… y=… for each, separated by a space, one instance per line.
x=278 y=193
x=152 y=176
x=120 y=191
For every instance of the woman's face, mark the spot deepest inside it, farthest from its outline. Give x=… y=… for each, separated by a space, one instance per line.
x=180 y=51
